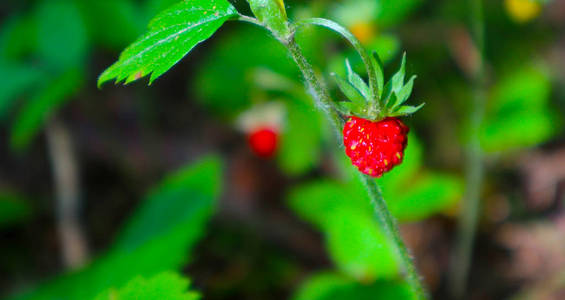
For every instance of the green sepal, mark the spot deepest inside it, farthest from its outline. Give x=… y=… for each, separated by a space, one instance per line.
x=398 y=78
x=346 y=108
x=357 y=81
x=353 y=94
x=406 y=110
x=378 y=66
x=404 y=93
x=386 y=95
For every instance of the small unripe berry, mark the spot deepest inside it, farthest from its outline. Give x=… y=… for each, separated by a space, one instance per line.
x=375 y=147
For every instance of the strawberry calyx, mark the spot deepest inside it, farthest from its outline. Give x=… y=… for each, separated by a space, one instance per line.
x=375 y=104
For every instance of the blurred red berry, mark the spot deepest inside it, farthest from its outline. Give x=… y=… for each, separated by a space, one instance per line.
x=263 y=142
x=375 y=147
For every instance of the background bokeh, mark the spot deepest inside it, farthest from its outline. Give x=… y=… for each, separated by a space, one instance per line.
x=118 y=190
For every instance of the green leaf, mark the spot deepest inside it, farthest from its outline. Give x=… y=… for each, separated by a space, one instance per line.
x=61 y=35
x=13 y=209
x=358 y=246
x=166 y=285
x=222 y=82
x=142 y=251
x=316 y=202
x=407 y=110
x=301 y=141
x=17 y=37
x=122 y=14
x=386 y=45
x=17 y=80
x=519 y=114
x=394 y=12
x=171 y=35
x=332 y=286
x=185 y=197
x=350 y=91
x=38 y=109
x=357 y=81
x=354 y=240
x=426 y=196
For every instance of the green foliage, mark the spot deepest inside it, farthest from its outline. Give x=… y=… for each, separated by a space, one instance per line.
x=38 y=109
x=519 y=115
x=59 y=23
x=13 y=209
x=272 y=14
x=301 y=140
x=17 y=80
x=122 y=14
x=223 y=83
x=331 y=286
x=171 y=35
x=383 y=13
x=182 y=200
x=354 y=239
x=12 y=46
x=166 y=285
x=141 y=251
x=389 y=99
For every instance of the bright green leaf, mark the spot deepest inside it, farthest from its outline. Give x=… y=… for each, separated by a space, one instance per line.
x=142 y=251
x=167 y=285
x=185 y=197
x=331 y=286
x=358 y=246
x=171 y=35
x=425 y=196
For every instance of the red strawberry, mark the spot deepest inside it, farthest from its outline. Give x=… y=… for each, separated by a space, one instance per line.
x=375 y=147
x=263 y=142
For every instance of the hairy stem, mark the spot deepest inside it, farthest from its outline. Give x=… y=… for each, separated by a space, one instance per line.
x=65 y=174
x=390 y=227
x=461 y=261
x=382 y=213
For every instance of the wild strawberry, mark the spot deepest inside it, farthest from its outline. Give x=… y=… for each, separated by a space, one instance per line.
x=264 y=142
x=375 y=147
x=373 y=136
x=262 y=124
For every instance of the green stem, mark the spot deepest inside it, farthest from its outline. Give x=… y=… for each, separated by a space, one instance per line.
x=315 y=87
x=461 y=261
x=382 y=213
x=390 y=227
x=365 y=57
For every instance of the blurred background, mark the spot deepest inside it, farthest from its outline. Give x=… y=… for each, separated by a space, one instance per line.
x=224 y=172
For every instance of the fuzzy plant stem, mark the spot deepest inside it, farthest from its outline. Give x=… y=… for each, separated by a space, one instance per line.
x=65 y=175
x=382 y=213
x=461 y=261
x=390 y=227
